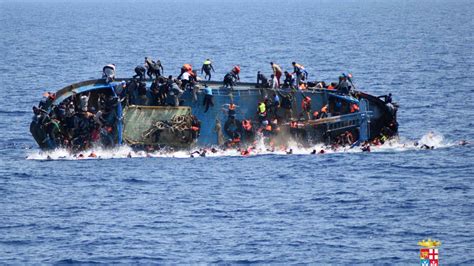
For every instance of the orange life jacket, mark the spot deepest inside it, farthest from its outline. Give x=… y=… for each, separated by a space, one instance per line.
x=268 y=128
x=306 y=103
x=246 y=125
x=303 y=86
x=188 y=67
x=324 y=109
x=236 y=69
x=354 y=107
x=191 y=73
x=245 y=152
x=231 y=106
x=331 y=87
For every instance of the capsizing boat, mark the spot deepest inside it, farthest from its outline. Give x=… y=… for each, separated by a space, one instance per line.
x=234 y=119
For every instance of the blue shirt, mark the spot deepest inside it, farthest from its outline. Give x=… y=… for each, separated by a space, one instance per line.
x=276 y=98
x=207 y=90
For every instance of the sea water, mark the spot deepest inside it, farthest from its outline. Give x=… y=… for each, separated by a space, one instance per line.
x=341 y=207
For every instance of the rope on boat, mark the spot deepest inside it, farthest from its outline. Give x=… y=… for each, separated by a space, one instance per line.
x=177 y=125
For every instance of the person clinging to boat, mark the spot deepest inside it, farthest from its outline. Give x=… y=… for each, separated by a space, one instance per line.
x=108 y=73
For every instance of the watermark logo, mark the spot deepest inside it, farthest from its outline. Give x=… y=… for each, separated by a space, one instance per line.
x=429 y=252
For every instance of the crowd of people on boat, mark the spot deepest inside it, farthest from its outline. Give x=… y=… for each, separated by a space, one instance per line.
x=167 y=91
x=188 y=79
x=81 y=121
x=75 y=122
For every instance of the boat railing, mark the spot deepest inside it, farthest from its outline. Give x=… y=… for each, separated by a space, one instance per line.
x=341 y=122
x=345 y=123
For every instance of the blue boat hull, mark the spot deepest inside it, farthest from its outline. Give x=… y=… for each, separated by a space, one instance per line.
x=365 y=124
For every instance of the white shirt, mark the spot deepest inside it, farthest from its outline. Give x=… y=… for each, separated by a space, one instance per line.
x=185 y=76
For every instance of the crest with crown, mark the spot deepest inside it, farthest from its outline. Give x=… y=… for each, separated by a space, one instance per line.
x=429 y=254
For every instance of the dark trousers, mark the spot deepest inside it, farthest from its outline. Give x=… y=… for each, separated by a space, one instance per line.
x=151 y=71
x=207 y=102
x=208 y=74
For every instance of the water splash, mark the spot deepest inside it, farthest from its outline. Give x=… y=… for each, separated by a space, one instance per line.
x=430 y=140
x=433 y=140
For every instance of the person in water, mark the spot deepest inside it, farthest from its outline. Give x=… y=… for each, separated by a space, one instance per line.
x=201 y=153
x=206 y=68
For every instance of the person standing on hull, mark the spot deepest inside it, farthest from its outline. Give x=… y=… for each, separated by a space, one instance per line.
x=187 y=76
x=343 y=86
x=149 y=63
x=185 y=80
x=277 y=72
x=290 y=80
x=140 y=73
x=300 y=71
x=262 y=81
x=108 y=73
x=153 y=68
x=158 y=68
x=236 y=71
x=206 y=68
x=386 y=98
x=231 y=77
x=186 y=68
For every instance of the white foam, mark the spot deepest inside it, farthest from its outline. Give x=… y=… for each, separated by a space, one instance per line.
x=433 y=139
x=430 y=139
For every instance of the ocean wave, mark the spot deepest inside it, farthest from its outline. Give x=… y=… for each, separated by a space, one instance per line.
x=428 y=141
